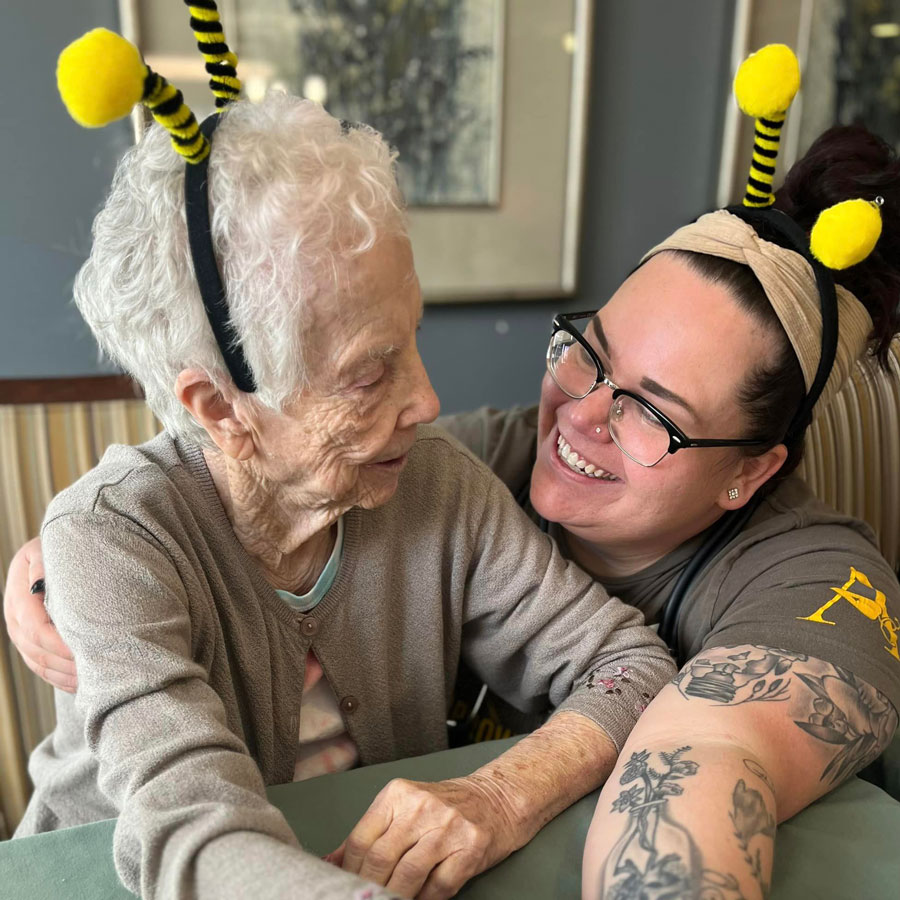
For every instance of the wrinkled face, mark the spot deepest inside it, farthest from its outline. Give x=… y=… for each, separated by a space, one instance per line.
x=686 y=346
x=345 y=441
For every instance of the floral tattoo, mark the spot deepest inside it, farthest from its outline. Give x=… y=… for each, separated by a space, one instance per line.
x=827 y=702
x=656 y=856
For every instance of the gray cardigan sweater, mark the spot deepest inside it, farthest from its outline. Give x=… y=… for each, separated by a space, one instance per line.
x=191 y=668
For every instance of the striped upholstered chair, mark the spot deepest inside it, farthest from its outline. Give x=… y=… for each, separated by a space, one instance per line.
x=44 y=447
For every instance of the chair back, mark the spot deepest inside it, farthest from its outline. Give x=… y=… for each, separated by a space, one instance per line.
x=852 y=457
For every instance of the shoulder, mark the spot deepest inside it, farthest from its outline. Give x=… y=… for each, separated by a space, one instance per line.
x=119 y=543
x=145 y=489
x=443 y=461
x=446 y=488
x=793 y=506
x=504 y=439
x=790 y=525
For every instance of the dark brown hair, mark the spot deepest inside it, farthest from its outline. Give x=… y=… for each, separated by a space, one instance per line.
x=846 y=162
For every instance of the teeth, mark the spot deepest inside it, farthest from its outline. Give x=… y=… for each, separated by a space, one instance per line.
x=578 y=464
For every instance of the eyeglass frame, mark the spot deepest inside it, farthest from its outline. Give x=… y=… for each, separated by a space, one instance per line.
x=678 y=440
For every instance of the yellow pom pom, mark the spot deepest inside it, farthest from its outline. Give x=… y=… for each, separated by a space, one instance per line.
x=767 y=81
x=846 y=233
x=100 y=77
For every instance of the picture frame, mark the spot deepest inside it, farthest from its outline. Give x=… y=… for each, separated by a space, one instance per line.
x=515 y=234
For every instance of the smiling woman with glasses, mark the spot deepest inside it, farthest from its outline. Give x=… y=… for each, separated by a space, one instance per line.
x=641 y=431
x=695 y=342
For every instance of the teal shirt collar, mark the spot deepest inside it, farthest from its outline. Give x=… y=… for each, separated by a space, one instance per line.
x=306 y=602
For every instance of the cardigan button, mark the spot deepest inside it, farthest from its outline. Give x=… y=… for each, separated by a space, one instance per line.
x=349 y=705
x=309 y=626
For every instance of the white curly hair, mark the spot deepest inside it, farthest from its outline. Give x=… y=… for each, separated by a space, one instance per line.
x=294 y=196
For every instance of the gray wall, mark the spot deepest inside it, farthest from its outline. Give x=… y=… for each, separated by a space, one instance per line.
x=659 y=83
x=55 y=175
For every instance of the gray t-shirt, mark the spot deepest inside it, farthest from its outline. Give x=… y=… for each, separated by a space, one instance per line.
x=800 y=576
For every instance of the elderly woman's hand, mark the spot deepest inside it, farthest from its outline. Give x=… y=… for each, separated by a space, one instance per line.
x=28 y=624
x=426 y=840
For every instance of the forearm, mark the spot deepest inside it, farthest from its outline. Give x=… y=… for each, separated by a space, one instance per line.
x=252 y=865
x=743 y=738
x=695 y=815
x=546 y=772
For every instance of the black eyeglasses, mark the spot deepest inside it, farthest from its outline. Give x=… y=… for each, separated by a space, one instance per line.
x=643 y=433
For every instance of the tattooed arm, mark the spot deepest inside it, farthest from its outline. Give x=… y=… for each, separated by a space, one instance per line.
x=744 y=737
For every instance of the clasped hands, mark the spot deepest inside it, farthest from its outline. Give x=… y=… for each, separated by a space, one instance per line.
x=426 y=840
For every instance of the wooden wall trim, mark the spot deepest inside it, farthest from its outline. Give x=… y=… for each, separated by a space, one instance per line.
x=82 y=389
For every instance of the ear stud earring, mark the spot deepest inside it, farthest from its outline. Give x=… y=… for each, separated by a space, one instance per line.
x=733 y=493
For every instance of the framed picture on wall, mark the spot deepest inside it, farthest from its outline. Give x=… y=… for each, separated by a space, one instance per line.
x=485 y=101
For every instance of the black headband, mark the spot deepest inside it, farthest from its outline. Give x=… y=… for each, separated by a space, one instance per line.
x=206 y=270
x=796 y=239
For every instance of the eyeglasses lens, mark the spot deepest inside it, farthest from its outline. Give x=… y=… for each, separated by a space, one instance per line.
x=638 y=431
x=570 y=366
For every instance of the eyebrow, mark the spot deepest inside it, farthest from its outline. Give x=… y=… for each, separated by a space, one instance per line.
x=379 y=352
x=655 y=388
x=648 y=384
x=601 y=336
x=382 y=352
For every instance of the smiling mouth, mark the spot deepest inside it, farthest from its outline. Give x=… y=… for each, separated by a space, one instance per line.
x=396 y=463
x=579 y=464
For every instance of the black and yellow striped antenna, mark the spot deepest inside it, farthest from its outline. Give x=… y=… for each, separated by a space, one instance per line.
x=101 y=77
x=221 y=63
x=764 y=87
x=766 y=82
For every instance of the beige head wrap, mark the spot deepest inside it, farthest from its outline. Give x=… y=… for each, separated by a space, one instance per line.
x=790 y=284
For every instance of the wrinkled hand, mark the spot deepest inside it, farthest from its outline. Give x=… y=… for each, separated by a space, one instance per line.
x=28 y=624
x=427 y=840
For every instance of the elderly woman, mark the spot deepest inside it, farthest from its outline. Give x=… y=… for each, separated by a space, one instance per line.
x=285 y=581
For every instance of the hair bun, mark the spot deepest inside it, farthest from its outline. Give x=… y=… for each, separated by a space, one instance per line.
x=848 y=162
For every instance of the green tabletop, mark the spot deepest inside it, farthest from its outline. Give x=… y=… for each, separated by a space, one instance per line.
x=844 y=846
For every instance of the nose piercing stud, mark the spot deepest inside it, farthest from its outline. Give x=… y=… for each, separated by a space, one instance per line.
x=598 y=429
x=733 y=493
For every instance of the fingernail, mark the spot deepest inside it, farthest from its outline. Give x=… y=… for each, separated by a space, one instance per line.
x=38 y=587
